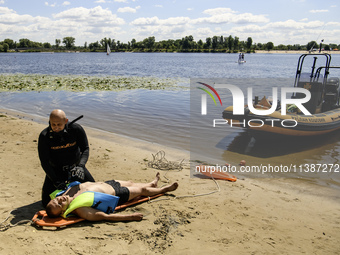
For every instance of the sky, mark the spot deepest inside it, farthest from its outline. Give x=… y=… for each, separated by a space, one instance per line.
x=278 y=21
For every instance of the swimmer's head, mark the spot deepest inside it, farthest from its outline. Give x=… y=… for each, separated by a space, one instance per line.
x=57 y=206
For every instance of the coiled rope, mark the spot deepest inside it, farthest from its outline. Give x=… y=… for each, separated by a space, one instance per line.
x=160 y=162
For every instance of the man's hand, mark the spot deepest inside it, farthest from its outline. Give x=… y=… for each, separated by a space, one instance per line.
x=77 y=174
x=136 y=216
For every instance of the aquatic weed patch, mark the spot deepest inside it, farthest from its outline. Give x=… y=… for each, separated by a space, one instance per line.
x=77 y=83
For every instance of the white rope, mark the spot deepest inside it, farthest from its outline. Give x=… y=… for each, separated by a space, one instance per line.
x=196 y=195
x=203 y=194
x=4 y=226
x=158 y=163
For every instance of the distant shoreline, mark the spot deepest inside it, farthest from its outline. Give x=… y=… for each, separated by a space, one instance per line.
x=225 y=52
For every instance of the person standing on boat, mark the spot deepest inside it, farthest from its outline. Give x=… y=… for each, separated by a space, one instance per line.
x=63 y=152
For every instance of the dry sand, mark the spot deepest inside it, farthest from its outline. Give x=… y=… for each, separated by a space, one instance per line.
x=245 y=217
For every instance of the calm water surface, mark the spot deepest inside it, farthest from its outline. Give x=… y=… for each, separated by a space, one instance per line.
x=163 y=116
x=185 y=65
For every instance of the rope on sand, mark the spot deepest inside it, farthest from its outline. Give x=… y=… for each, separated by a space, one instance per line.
x=218 y=189
x=4 y=227
x=160 y=162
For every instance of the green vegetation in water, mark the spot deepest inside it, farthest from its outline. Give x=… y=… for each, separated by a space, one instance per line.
x=77 y=83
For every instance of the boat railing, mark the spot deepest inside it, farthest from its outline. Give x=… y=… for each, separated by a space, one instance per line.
x=314 y=81
x=318 y=71
x=312 y=75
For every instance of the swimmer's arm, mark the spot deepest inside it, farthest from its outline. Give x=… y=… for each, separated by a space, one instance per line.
x=92 y=214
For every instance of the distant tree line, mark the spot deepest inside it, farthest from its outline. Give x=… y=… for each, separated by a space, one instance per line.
x=227 y=44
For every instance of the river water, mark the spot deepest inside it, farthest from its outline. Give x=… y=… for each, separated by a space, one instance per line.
x=163 y=115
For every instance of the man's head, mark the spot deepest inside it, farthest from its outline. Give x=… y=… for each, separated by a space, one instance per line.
x=58 y=120
x=57 y=206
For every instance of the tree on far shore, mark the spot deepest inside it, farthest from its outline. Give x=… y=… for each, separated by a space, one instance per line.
x=311 y=45
x=69 y=42
x=57 y=43
x=269 y=46
x=219 y=43
x=249 y=43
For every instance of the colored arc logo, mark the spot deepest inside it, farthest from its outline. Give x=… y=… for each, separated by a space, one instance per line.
x=209 y=93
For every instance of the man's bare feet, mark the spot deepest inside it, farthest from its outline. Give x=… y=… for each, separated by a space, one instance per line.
x=171 y=187
x=154 y=183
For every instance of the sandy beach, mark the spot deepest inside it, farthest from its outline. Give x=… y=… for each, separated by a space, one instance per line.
x=249 y=216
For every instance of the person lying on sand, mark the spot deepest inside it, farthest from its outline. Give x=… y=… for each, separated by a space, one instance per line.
x=96 y=201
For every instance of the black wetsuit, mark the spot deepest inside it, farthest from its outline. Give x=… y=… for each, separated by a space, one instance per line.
x=59 y=153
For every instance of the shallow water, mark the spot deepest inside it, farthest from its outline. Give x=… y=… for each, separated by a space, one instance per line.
x=163 y=115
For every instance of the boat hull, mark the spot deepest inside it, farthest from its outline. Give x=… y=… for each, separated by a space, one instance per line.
x=291 y=124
